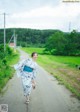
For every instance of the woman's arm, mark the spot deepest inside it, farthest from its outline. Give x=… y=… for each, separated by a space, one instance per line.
x=19 y=65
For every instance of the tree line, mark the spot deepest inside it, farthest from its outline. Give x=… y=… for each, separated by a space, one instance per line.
x=61 y=43
x=27 y=37
x=55 y=42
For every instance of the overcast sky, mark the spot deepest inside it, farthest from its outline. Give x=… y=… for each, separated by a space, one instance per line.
x=40 y=14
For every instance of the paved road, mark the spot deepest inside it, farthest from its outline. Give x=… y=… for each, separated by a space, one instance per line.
x=48 y=96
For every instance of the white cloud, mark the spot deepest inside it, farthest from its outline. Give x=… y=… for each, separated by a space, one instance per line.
x=59 y=11
x=12 y=6
x=46 y=17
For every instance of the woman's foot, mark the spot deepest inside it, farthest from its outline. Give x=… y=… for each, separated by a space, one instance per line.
x=27 y=99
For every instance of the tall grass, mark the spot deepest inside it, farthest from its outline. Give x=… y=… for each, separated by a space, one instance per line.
x=6 y=71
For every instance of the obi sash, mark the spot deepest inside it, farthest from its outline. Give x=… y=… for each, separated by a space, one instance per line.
x=27 y=69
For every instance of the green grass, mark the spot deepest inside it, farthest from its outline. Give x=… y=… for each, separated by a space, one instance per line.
x=61 y=67
x=6 y=71
x=30 y=50
x=5 y=76
x=68 y=60
x=13 y=59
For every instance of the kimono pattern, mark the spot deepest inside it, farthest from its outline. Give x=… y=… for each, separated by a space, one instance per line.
x=26 y=77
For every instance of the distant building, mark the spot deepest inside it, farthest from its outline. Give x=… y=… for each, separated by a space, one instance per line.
x=12 y=45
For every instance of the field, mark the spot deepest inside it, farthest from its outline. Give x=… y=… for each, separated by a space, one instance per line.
x=62 y=67
x=67 y=60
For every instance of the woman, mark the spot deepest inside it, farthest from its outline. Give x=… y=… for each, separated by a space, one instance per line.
x=27 y=70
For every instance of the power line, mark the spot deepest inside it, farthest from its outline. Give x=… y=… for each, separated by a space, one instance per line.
x=69 y=26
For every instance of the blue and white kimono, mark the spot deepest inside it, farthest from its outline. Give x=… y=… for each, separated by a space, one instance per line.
x=26 y=76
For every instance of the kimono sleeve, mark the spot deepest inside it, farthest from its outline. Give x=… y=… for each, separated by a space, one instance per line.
x=19 y=65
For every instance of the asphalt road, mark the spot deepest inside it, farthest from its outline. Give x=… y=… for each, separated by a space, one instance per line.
x=48 y=96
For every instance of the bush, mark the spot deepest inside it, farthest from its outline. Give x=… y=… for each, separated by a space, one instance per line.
x=9 y=50
x=5 y=70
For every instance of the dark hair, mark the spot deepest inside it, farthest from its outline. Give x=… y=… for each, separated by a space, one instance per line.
x=33 y=54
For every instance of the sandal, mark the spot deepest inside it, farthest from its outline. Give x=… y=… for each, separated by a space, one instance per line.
x=27 y=101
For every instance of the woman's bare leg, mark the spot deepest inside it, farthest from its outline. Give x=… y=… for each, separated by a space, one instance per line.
x=27 y=98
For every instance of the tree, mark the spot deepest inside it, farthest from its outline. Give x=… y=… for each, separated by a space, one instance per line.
x=64 y=43
x=56 y=43
x=72 y=46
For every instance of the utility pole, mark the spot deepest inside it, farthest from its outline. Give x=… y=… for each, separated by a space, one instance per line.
x=4 y=33
x=4 y=17
x=14 y=40
x=69 y=26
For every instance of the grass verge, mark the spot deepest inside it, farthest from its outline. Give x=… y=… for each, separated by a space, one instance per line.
x=7 y=71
